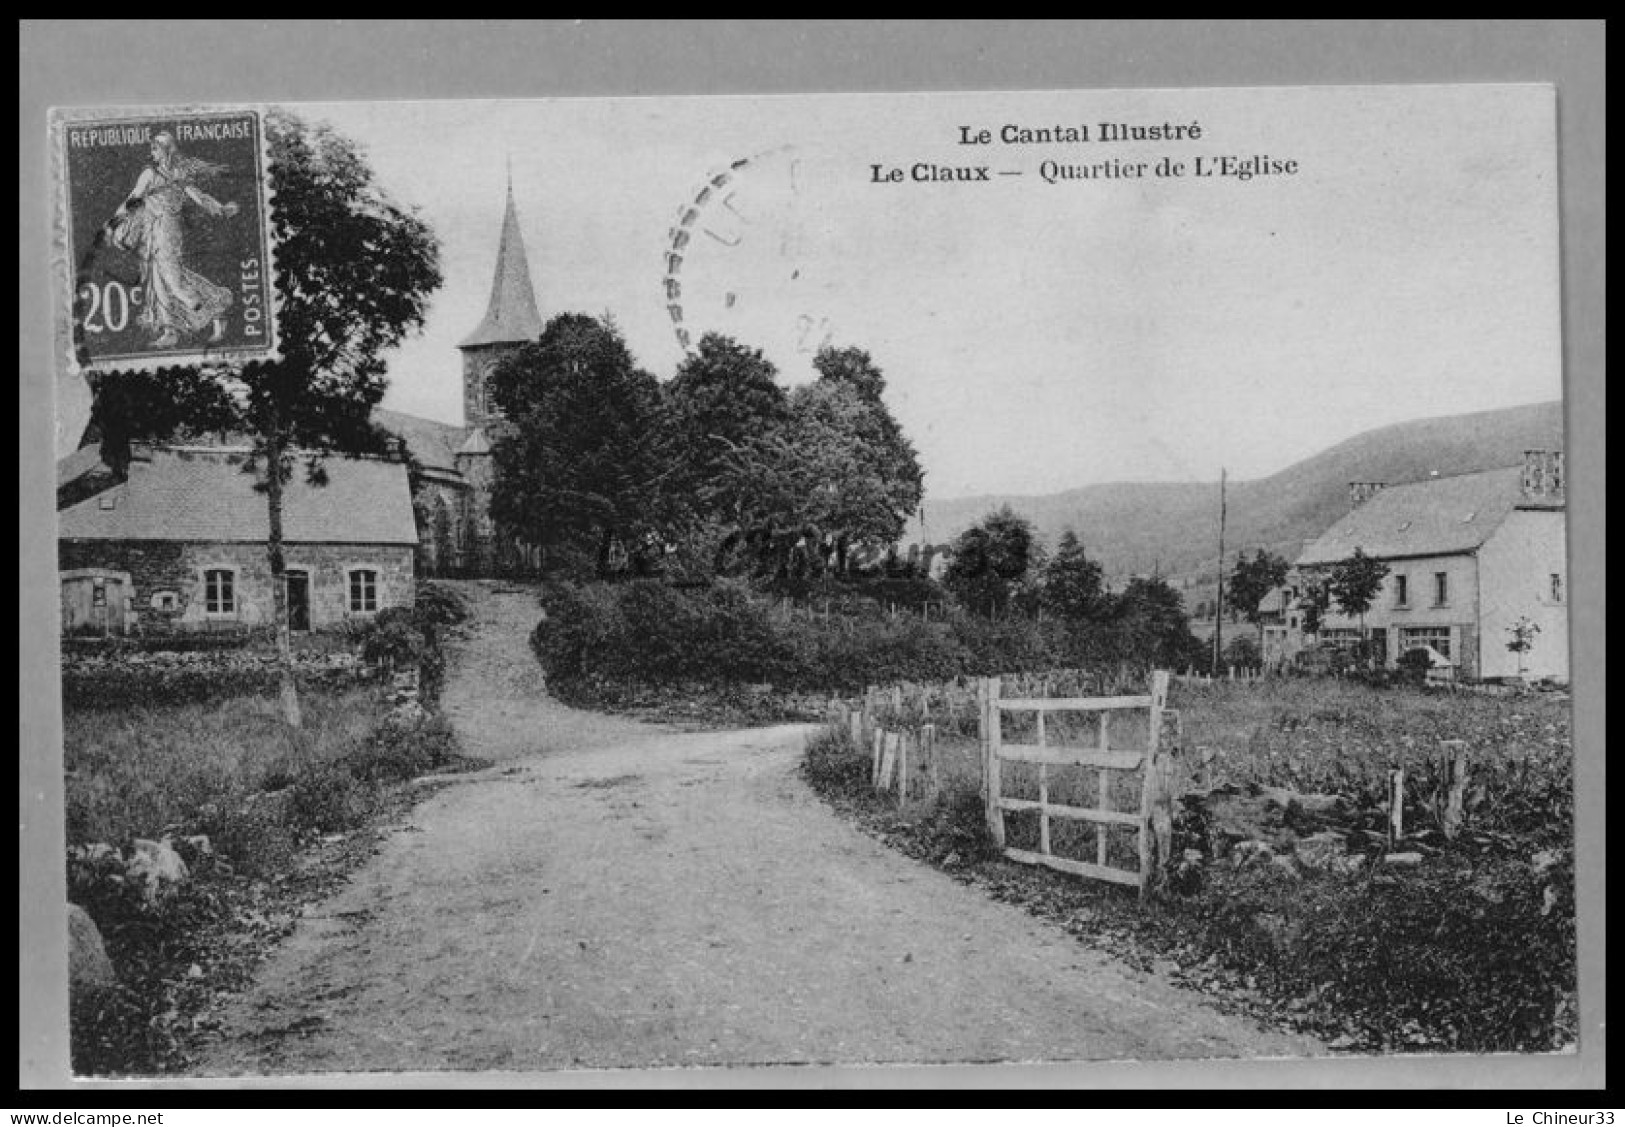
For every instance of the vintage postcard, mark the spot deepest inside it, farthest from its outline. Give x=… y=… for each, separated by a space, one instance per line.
x=166 y=217
x=840 y=579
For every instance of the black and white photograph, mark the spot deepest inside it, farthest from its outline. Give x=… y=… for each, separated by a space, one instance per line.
x=903 y=578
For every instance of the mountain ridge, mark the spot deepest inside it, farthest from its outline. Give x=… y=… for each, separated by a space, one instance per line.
x=1172 y=527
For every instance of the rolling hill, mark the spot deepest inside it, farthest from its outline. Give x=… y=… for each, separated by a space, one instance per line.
x=1171 y=527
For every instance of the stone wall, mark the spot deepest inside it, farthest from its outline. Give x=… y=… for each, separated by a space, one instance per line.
x=164 y=572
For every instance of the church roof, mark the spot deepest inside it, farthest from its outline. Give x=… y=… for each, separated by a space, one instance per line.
x=511 y=316
x=432 y=443
x=202 y=494
x=475 y=443
x=1439 y=516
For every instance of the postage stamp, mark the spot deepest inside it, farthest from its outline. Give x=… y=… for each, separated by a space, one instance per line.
x=167 y=224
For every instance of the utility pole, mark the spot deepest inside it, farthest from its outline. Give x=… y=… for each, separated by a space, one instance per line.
x=1218 y=606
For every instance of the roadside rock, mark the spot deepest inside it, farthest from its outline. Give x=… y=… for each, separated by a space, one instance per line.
x=1249 y=852
x=1275 y=815
x=89 y=968
x=1321 y=851
x=156 y=866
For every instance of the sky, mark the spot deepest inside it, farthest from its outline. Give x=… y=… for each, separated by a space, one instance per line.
x=1035 y=335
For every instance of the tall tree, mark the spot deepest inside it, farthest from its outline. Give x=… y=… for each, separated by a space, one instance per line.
x=836 y=469
x=723 y=394
x=354 y=272
x=1354 y=584
x=1315 y=600
x=990 y=561
x=1250 y=582
x=581 y=466
x=1150 y=627
x=1074 y=585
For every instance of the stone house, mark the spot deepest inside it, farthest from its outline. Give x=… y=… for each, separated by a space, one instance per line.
x=179 y=543
x=1470 y=557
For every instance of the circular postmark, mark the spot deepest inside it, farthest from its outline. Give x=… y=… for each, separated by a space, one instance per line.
x=739 y=259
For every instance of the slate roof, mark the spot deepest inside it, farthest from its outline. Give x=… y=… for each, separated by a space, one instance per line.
x=195 y=494
x=1440 y=516
x=433 y=443
x=511 y=316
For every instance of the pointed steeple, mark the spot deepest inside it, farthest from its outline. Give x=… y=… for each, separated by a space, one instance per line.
x=512 y=316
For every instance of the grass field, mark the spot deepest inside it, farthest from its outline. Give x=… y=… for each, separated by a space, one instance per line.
x=1436 y=957
x=131 y=773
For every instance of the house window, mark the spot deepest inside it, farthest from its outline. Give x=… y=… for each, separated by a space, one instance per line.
x=1338 y=638
x=1557 y=587
x=1402 y=591
x=363 y=591
x=1441 y=588
x=1435 y=637
x=165 y=600
x=220 y=591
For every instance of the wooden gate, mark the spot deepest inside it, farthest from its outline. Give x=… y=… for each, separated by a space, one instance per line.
x=1152 y=821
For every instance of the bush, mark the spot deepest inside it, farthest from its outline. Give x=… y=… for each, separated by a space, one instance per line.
x=1241 y=652
x=1441 y=958
x=440 y=605
x=1414 y=666
x=650 y=632
x=398 y=752
x=328 y=798
x=833 y=765
x=133 y=1026
x=252 y=839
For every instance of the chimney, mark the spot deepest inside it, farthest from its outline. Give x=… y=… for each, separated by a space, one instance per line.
x=1543 y=475
x=1362 y=491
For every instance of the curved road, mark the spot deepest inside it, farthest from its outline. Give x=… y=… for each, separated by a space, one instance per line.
x=620 y=894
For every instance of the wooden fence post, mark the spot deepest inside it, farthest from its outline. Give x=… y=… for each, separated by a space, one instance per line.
x=902 y=767
x=880 y=746
x=1396 y=806
x=928 y=748
x=1455 y=752
x=988 y=698
x=888 y=758
x=1151 y=801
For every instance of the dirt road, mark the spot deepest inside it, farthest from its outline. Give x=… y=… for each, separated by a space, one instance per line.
x=619 y=894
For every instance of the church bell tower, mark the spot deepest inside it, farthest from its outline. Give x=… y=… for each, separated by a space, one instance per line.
x=511 y=321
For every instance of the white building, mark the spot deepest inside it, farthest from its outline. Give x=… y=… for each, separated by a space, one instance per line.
x=1470 y=558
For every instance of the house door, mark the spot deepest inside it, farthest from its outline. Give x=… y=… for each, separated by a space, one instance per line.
x=1379 y=646
x=298 y=600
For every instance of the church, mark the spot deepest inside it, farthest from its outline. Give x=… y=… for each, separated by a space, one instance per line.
x=451 y=466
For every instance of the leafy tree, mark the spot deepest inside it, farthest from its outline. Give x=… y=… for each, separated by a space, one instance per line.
x=1315 y=600
x=990 y=560
x=1251 y=581
x=354 y=272
x=1074 y=585
x=723 y=395
x=1354 y=584
x=1150 y=628
x=836 y=471
x=581 y=466
x=1242 y=652
x=1521 y=639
